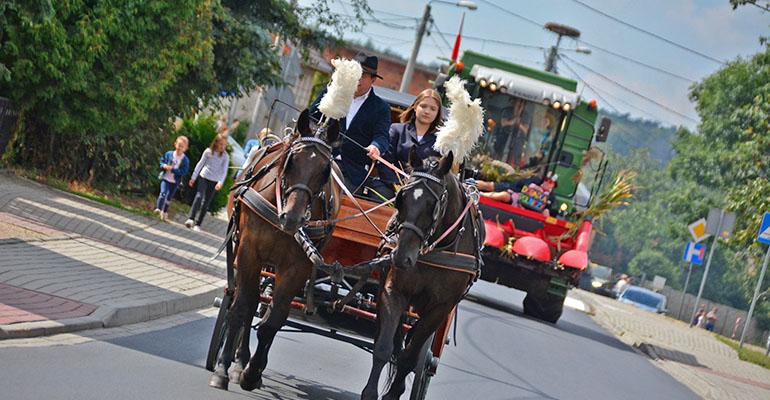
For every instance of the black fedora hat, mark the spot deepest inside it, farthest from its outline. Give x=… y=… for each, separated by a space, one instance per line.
x=368 y=64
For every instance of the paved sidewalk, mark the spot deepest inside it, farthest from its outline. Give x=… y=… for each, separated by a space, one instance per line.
x=68 y=263
x=693 y=356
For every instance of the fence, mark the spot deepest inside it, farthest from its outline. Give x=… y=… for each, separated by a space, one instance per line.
x=7 y=122
x=726 y=325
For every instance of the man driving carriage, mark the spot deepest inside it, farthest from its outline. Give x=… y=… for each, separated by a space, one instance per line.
x=365 y=129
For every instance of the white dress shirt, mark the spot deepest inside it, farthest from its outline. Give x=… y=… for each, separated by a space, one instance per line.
x=355 y=106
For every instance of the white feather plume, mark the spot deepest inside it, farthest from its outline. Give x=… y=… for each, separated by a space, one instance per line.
x=465 y=124
x=336 y=102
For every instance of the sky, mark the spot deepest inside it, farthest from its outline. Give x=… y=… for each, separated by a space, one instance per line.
x=710 y=27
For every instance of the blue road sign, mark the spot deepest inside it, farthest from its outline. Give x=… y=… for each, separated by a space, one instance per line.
x=764 y=230
x=694 y=253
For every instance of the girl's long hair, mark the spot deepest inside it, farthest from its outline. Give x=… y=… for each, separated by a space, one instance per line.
x=409 y=115
x=217 y=138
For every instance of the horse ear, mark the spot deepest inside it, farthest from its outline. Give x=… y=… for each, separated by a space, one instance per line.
x=445 y=164
x=303 y=124
x=333 y=132
x=414 y=160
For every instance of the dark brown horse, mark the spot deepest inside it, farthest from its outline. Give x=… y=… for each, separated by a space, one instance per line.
x=292 y=179
x=436 y=224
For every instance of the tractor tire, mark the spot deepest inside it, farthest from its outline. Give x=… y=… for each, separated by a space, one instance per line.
x=544 y=307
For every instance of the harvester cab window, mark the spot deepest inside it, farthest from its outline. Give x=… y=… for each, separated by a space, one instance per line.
x=523 y=133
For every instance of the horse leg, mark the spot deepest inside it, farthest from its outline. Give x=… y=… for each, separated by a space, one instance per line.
x=430 y=320
x=243 y=353
x=390 y=306
x=238 y=313
x=288 y=283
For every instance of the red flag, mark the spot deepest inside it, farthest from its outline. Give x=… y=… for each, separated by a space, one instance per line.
x=456 y=49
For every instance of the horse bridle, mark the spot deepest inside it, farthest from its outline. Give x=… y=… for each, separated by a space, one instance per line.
x=299 y=144
x=439 y=209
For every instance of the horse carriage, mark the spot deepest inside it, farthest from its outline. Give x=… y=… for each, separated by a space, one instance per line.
x=394 y=275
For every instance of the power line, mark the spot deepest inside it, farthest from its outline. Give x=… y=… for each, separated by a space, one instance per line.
x=675 y=75
x=616 y=83
x=598 y=91
x=655 y=35
x=589 y=86
x=509 y=12
x=433 y=24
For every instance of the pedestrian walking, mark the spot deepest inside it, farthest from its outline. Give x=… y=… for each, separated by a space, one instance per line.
x=212 y=169
x=711 y=319
x=174 y=166
x=697 y=320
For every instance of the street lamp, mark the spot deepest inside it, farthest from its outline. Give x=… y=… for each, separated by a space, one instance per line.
x=407 y=78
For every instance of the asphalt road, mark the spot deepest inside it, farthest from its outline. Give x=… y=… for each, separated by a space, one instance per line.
x=500 y=354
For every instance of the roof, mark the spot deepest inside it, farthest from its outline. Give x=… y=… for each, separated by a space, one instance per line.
x=524 y=87
x=394 y=97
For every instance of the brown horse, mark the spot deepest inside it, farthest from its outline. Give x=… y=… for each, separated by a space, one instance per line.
x=292 y=179
x=434 y=215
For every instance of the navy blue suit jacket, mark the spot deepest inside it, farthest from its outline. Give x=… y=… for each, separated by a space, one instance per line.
x=403 y=137
x=369 y=126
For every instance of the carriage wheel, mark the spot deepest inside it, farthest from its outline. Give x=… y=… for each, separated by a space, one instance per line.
x=421 y=371
x=220 y=331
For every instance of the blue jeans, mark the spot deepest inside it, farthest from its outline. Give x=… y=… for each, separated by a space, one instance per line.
x=167 y=190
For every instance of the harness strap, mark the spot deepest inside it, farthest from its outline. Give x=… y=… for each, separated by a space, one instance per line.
x=349 y=217
x=267 y=211
x=355 y=201
x=451 y=228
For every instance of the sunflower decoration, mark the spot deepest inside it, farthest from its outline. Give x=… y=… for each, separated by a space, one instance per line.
x=498 y=171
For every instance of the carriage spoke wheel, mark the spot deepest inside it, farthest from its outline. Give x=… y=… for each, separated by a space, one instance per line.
x=421 y=371
x=220 y=332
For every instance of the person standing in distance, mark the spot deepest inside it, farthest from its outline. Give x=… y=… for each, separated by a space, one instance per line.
x=367 y=123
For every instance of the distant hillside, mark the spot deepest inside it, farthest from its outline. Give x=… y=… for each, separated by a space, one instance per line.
x=628 y=133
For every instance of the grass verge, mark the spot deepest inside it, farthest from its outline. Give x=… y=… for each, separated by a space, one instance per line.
x=746 y=354
x=139 y=205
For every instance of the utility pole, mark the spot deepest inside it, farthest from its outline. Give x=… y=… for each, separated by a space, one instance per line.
x=407 y=78
x=560 y=30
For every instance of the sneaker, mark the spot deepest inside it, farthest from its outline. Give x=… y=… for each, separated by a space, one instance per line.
x=189 y=223
x=196 y=228
x=164 y=216
x=156 y=211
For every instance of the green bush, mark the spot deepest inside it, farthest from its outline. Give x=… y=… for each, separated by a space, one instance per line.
x=201 y=133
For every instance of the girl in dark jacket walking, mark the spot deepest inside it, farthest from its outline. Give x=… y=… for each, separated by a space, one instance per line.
x=174 y=165
x=417 y=129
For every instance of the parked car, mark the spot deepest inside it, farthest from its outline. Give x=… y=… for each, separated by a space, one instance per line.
x=644 y=299
x=597 y=279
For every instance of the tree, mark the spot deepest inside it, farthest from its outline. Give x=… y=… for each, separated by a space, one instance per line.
x=97 y=82
x=651 y=263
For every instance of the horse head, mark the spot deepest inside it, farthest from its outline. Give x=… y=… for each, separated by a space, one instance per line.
x=422 y=204
x=306 y=170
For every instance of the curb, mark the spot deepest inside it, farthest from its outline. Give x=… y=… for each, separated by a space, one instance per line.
x=109 y=317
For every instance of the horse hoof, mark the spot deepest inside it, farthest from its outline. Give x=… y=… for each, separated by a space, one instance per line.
x=219 y=382
x=235 y=373
x=249 y=386
x=235 y=376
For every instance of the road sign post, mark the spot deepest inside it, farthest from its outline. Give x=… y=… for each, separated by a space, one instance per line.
x=715 y=228
x=693 y=254
x=764 y=238
x=684 y=290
